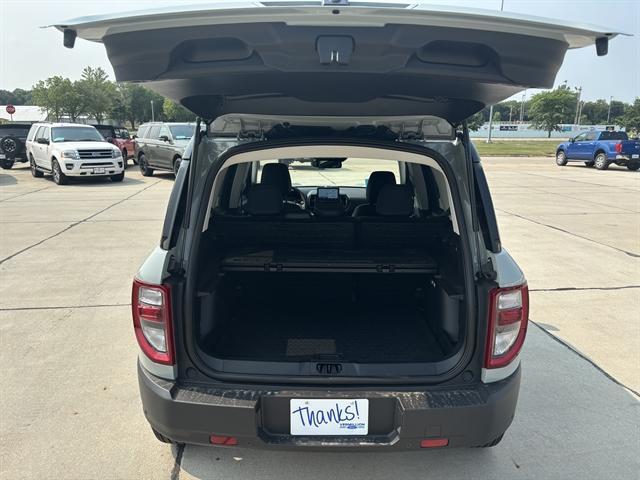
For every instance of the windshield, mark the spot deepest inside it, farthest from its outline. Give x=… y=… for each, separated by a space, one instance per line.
x=336 y=172
x=105 y=132
x=181 y=132
x=613 y=136
x=75 y=134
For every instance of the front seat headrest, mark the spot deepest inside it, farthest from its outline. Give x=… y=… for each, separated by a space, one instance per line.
x=377 y=180
x=276 y=174
x=264 y=200
x=395 y=201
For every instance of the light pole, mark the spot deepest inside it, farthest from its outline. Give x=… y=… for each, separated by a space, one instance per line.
x=576 y=120
x=522 y=107
x=491 y=108
x=153 y=118
x=609 y=111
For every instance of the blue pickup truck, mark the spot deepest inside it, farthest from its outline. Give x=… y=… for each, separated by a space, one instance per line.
x=600 y=149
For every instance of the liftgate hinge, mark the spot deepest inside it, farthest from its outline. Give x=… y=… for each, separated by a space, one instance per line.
x=487 y=271
x=175 y=268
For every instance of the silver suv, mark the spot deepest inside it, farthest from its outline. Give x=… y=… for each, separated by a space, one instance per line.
x=371 y=306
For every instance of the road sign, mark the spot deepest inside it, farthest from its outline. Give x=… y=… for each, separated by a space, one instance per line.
x=11 y=109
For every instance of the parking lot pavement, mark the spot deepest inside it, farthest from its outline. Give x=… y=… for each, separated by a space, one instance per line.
x=69 y=405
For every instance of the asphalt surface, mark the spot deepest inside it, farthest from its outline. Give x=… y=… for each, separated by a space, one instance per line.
x=69 y=405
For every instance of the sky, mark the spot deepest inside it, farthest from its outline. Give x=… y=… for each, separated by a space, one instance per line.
x=29 y=53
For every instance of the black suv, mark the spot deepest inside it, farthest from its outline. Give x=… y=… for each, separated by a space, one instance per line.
x=160 y=146
x=12 y=144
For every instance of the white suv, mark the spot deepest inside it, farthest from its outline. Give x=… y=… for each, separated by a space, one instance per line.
x=72 y=150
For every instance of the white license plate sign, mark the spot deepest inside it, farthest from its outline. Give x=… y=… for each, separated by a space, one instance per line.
x=98 y=170
x=329 y=416
x=635 y=155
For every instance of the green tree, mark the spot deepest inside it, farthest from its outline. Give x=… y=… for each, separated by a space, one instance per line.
x=50 y=96
x=74 y=104
x=476 y=121
x=547 y=110
x=617 y=110
x=97 y=91
x=595 y=112
x=631 y=118
x=176 y=113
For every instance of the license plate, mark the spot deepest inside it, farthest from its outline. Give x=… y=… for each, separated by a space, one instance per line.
x=329 y=417
x=2 y=157
x=98 y=170
x=635 y=155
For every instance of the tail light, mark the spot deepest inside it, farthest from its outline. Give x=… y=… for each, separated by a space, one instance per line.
x=619 y=147
x=508 y=317
x=151 y=308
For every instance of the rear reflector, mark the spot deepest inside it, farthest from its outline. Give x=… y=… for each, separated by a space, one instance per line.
x=507 y=325
x=434 y=442
x=223 y=440
x=151 y=309
x=619 y=147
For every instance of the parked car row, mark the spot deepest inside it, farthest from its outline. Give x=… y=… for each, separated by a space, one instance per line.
x=66 y=150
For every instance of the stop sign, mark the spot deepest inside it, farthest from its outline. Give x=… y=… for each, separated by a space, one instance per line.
x=11 y=109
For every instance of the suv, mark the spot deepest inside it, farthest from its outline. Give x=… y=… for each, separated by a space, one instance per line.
x=160 y=146
x=12 y=144
x=365 y=307
x=72 y=150
x=120 y=137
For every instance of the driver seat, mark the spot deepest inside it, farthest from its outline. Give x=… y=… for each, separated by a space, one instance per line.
x=277 y=175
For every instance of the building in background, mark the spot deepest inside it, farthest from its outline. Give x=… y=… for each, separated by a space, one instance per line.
x=24 y=113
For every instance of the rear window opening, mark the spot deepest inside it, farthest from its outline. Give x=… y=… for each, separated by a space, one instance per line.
x=330 y=265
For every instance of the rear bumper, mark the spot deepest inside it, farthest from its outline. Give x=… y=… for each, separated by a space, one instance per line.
x=398 y=420
x=624 y=158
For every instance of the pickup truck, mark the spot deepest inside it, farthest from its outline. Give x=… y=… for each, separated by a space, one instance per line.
x=600 y=149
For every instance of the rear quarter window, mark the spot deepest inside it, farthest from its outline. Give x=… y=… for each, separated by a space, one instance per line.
x=614 y=136
x=32 y=133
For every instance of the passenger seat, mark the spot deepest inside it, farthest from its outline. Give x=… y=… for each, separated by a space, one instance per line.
x=377 y=180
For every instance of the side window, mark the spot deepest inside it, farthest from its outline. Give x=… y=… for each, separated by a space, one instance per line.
x=32 y=133
x=40 y=132
x=581 y=137
x=154 y=132
x=164 y=131
x=142 y=131
x=591 y=136
x=46 y=133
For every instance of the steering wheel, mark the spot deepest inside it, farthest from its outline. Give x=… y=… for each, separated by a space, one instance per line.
x=296 y=197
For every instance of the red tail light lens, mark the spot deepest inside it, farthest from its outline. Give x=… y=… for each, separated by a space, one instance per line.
x=151 y=308
x=619 y=147
x=508 y=317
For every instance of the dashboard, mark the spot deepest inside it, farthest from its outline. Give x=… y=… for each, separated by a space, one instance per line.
x=334 y=201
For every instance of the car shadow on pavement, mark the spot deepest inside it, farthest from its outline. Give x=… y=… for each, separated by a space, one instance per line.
x=98 y=182
x=7 y=179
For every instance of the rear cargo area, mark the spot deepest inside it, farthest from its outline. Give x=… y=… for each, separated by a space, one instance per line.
x=336 y=291
x=341 y=317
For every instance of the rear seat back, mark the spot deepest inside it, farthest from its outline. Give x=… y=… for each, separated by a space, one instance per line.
x=394 y=225
x=265 y=232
